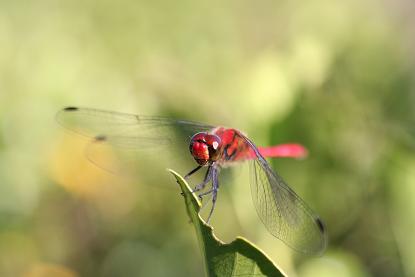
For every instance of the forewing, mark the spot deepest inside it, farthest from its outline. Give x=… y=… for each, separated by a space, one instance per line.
x=283 y=212
x=128 y=136
x=96 y=123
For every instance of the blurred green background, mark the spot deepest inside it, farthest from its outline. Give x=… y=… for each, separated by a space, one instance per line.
x=336 y=76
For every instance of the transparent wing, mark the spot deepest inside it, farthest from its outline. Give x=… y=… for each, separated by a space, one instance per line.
x=129 y=136
x=284 y=214
x=142 y=129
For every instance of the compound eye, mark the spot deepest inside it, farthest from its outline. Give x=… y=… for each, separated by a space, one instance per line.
x=199 y=148
x=214 y=142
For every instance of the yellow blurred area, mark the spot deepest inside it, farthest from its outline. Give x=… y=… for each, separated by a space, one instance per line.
x=69 y=167
x=49 y=270
x=268 y=77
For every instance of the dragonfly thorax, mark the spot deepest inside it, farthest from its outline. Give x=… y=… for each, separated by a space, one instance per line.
x=205 y=147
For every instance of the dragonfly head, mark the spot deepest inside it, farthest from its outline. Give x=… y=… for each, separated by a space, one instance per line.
x=205 y=147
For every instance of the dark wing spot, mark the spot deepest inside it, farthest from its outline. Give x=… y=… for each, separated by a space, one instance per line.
x=70 y=109
x=320 y=225
x=100 y=138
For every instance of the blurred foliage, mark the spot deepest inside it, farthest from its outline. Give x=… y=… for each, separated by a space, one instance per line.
x=336 y=76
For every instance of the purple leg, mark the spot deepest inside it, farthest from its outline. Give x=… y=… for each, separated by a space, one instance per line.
x=208 y=177
x=215 y=188
x=205 y=193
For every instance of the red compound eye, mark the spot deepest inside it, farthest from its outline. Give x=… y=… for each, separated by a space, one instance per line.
x=214 y=145
x=199 y=149
x=205 y=148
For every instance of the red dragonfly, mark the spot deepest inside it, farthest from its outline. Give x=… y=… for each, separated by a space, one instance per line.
x=284 y=214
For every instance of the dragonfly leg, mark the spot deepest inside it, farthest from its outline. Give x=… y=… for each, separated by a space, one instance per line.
x=208 y=177
x=215 y=188
x=191 y=172
x=205 y=193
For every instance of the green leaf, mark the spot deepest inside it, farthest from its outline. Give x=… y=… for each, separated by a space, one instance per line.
x=238 y=258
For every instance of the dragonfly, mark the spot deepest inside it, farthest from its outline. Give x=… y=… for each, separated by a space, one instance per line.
x=284 y=214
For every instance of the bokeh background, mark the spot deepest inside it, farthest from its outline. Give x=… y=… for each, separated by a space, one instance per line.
x=336 y=76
